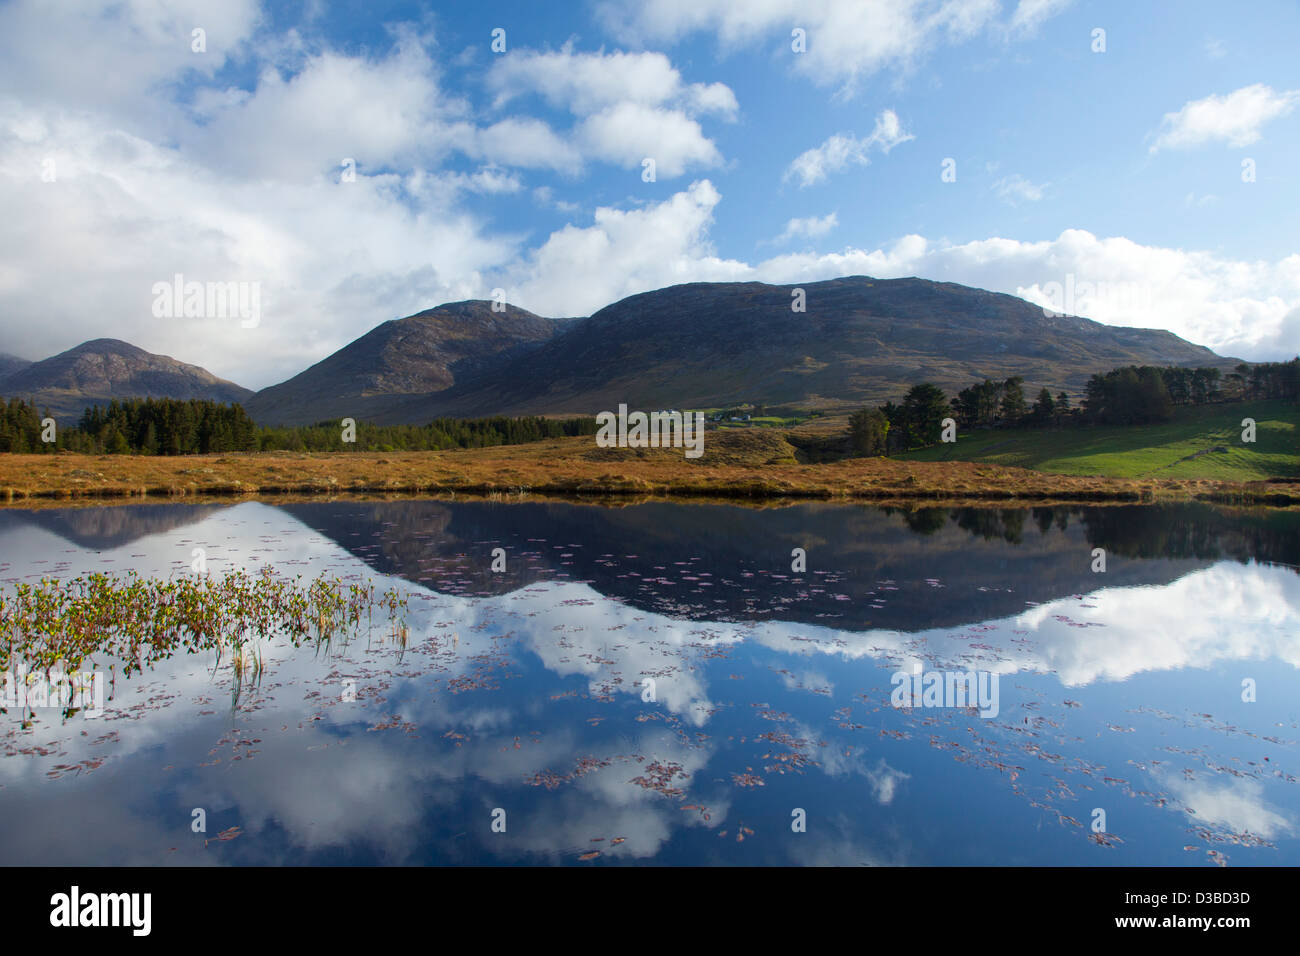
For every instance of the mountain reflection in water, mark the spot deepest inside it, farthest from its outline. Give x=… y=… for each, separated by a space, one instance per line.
x=526 y=691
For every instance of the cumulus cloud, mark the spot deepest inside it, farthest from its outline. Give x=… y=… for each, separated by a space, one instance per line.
x=1234 y=119
x=628 y=133
x=528 y=143
x=842 y=150
x=586 y=83
x=377 y=112
x=846 y=40
x=108 y=56
x=582 y=268
x=630 y=106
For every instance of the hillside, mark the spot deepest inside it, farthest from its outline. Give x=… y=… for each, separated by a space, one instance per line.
x=103 y=369
x=9 y=364
x=400 y=359
x=1202 y=442
x=860 y=341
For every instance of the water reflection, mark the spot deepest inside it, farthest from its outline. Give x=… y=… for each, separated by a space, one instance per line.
x=526 y=691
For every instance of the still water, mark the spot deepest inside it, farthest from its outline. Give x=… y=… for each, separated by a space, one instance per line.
x=662 y=684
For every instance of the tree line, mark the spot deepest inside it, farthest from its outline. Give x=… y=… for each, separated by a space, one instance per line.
x=1131 y=395
x=169 y=426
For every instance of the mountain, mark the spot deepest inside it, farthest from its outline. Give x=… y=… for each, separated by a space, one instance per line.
x=861 y=341
x=405 y=359
x=10 y=364
x=102 y=369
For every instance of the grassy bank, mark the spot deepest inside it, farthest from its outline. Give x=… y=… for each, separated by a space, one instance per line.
x=1201 y=442
x=752 y=463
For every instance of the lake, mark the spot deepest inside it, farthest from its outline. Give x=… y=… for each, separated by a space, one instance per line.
x=673 y=683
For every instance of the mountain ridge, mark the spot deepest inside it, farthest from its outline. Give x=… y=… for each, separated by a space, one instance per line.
x=860 y=340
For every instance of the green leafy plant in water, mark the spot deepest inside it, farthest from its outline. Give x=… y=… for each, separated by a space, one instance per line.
x=138 y=621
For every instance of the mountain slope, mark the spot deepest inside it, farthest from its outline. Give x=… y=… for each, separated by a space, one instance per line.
x=9 y=364
x=102 y=369
x=401 y=359
x=860 y=341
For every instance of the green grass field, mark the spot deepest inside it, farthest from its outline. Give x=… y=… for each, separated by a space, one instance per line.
x=1211 y=433
x=758 y=421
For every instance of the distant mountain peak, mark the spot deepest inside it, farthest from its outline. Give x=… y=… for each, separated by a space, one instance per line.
x=106 y=345
x=100 y=370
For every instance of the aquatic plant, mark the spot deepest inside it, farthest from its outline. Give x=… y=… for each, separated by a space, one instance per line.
x=139 y=621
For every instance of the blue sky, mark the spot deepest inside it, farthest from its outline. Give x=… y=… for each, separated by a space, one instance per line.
x=1157 y=175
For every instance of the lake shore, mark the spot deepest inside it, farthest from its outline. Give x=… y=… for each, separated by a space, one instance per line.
x=752 y=468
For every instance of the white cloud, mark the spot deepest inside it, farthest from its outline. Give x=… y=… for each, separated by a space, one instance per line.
x=1017 y=189
x=545 y=196
x=844 y=149
x=489 y=179
x=847 y=40
x=811 y=227
x=111 y=56
x=527 y=143
x=1234 y=119
x=630 y=105
x=1029 y=15
x=712 y=98
x=586 y=83
x=581 y=269
x=377 y=112
x=629 y=132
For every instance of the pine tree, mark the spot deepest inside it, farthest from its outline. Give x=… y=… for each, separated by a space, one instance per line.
x=1044 y=407
x=1013 y=400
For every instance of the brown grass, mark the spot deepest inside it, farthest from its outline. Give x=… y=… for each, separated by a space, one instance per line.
x=750 y=464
